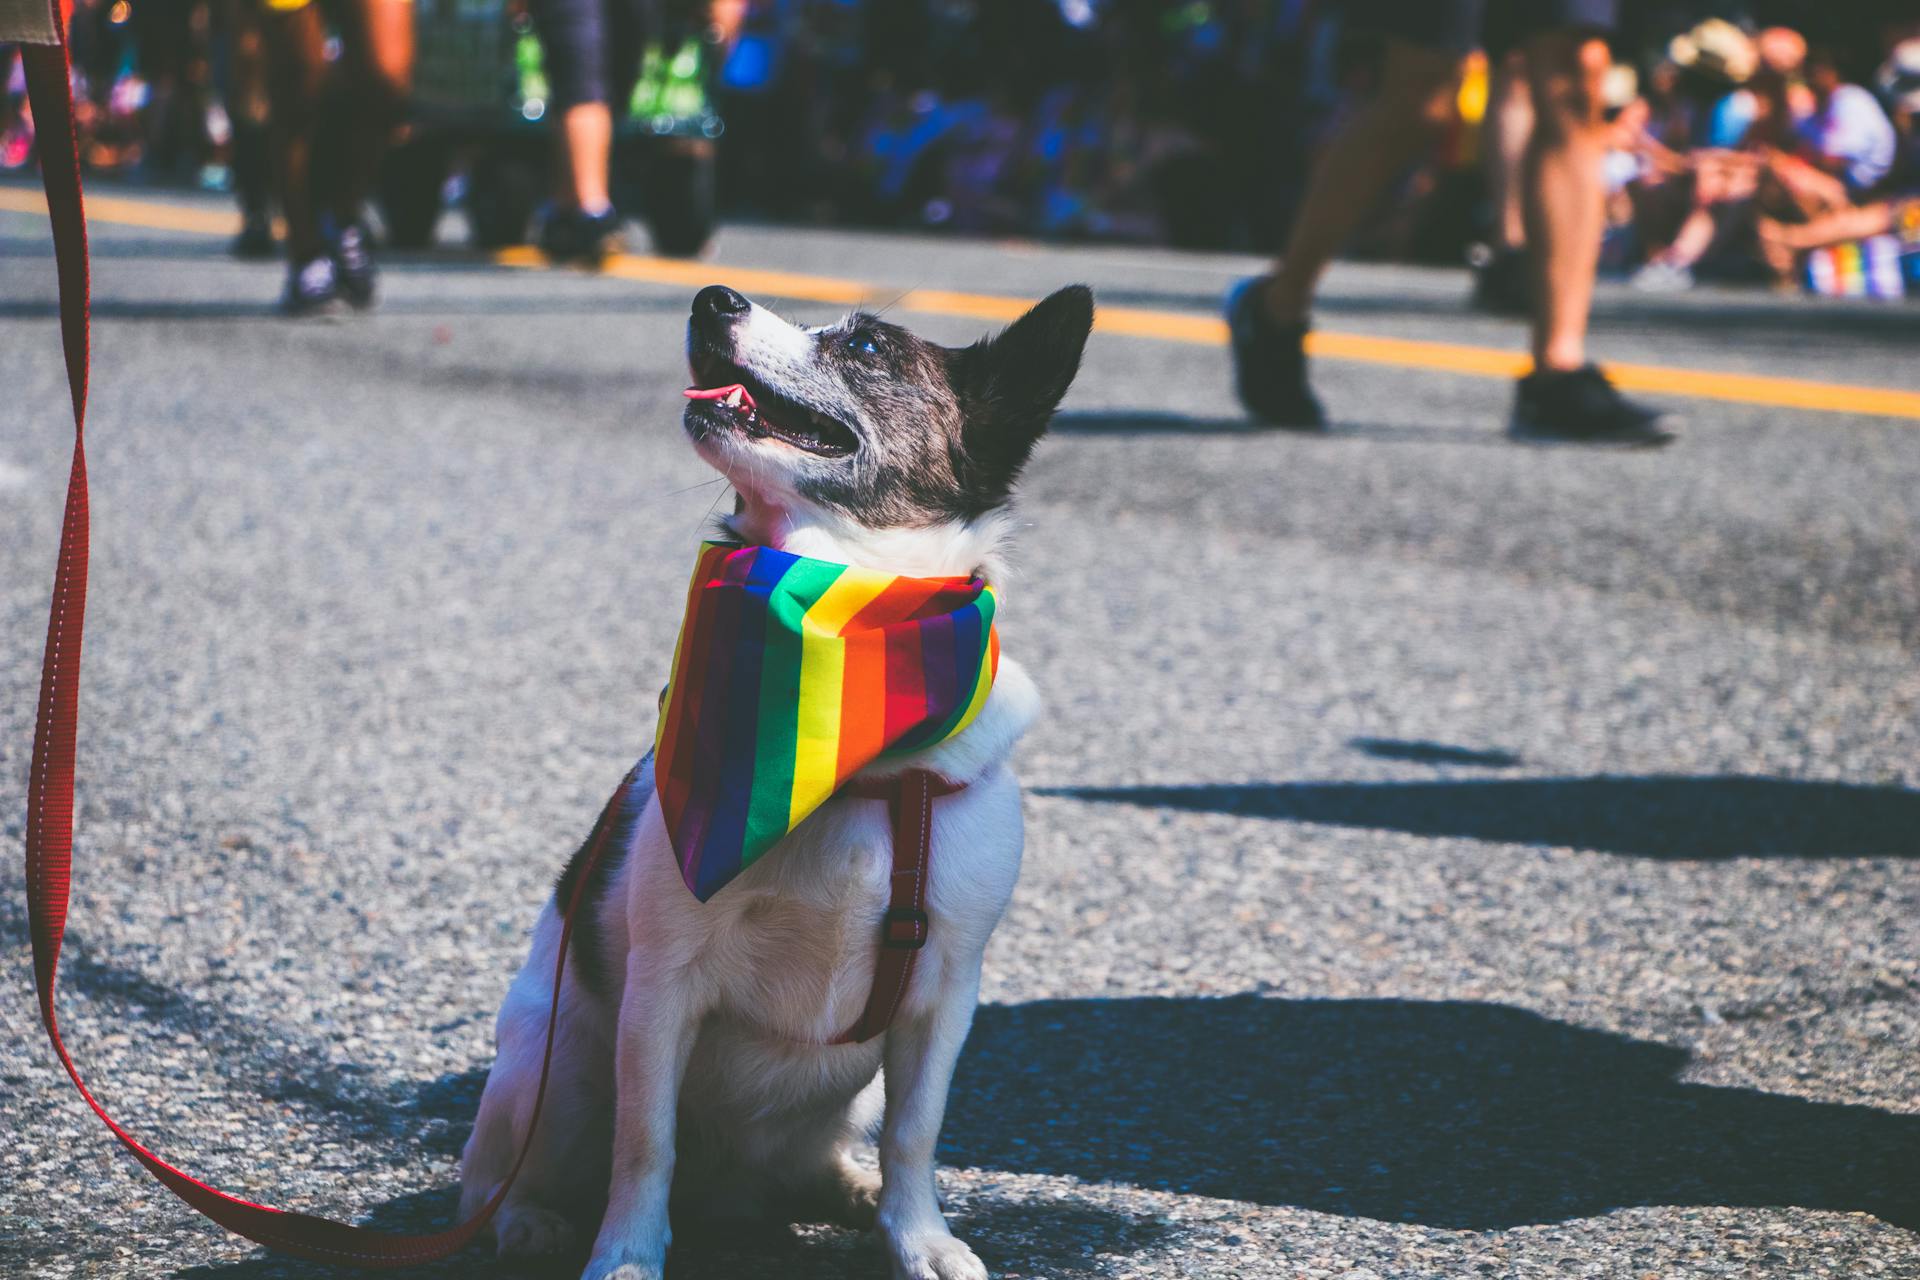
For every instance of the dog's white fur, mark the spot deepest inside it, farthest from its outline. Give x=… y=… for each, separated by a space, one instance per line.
x=705 y=1055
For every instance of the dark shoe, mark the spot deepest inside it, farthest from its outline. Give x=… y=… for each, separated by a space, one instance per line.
x=255 y=240
x=353 y=266
x=312 y=289
x=1580 y=406
x=1500 y=284
x=1270 y=364
x=570 y=235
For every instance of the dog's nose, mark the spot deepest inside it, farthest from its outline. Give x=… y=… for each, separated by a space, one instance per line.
x=717 y=302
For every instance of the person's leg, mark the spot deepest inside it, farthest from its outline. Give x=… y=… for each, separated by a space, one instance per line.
x=1564 y=195
x=1565 y=398
x=573 y=36
x=1417 y=100
x=296 y=62
x=586 y=131
x=1504 y=137
x=1500 y=279
x=369 y=99
x=246 y=102
x=578 y=37
x=1428 y=41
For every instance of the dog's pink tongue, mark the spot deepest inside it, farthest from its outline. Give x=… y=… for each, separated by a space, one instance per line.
x=736 y=391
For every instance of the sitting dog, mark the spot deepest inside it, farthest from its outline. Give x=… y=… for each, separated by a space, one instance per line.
x=695 y=1056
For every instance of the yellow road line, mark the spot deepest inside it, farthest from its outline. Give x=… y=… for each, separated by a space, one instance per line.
x=1175 y=326
x=150 y=214
x=1137 y=322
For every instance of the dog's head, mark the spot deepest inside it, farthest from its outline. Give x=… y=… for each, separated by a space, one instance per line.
x=865 y=431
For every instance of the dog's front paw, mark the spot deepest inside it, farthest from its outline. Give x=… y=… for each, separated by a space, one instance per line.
x=528 y=1231
x=934 y=1257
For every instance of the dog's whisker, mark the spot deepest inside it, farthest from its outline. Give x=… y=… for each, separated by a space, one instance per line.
x=674 y=493
x=707 y=519
x=898 y=298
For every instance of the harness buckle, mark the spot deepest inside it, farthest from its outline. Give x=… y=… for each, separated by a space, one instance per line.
x=904 y=928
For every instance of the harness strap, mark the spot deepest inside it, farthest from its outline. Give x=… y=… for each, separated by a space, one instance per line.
x=49 y=835
x=905 y=926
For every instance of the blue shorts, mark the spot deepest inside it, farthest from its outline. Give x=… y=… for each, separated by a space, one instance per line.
x=1493 y=25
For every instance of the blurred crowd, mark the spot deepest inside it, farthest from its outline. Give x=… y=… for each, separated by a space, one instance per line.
x=1771 y=141
x=1757 y=153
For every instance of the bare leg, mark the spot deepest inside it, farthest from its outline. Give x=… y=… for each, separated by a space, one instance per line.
x=1419 y=86
x=586 y=136
x=1564 y=197
x=1855 y=223
x=1509 y=127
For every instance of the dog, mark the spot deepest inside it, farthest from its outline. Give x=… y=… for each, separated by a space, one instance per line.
x=690 y=1061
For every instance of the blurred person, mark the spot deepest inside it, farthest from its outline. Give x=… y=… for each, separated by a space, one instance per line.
x=1784 y=244
x=1565 y=397
x=16 y=118
x=1720 y=59
x=167 y=40
x=330 y=126
x=1846 y=135
x=1501 y=284
x=1719 y=181
x=593 y=50
x=243 y=88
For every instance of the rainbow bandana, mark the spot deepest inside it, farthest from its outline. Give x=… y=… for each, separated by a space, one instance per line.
x=792 y=675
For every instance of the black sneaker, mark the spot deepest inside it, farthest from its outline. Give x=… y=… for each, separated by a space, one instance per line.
x=1500 y=284
x=1579 y=406
x=255 y=240
x=353 y=266
x=312 y=288
x=571 y=235
x=1270 y=364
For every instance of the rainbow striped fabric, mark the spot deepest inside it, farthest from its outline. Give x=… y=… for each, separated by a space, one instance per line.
x=793 y=674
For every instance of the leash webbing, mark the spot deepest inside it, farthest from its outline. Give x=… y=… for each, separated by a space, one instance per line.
x=49 y=839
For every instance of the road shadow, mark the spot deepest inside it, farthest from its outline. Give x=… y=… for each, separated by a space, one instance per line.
x=1422 y=752
x=1457 y=1115
x=1053 y=1239
x=1450 y=1114
x=1676 y=818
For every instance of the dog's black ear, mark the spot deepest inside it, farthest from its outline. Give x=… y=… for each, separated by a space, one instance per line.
x=1010 y=385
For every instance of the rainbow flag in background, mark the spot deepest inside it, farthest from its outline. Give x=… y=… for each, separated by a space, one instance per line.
x=1869 y=268
x=793 y=674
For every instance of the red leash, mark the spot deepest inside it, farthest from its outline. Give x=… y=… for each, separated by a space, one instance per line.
x=49 y=843
x=50 y=784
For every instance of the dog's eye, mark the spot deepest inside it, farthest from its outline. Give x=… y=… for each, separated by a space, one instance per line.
x=862 y=342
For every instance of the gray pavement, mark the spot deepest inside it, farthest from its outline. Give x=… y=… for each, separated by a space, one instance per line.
x=1446 y=858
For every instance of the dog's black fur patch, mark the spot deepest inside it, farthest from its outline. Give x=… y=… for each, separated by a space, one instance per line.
x=589 y=941
x=1009 y=386
x=941 y=433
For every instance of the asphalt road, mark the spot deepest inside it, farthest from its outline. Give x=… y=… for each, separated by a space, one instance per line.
x=1446 y=858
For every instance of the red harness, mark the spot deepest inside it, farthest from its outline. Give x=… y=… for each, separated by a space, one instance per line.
x=49 y=842
x=904 y=929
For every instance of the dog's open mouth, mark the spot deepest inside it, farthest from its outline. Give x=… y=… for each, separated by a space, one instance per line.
x=762 y=413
